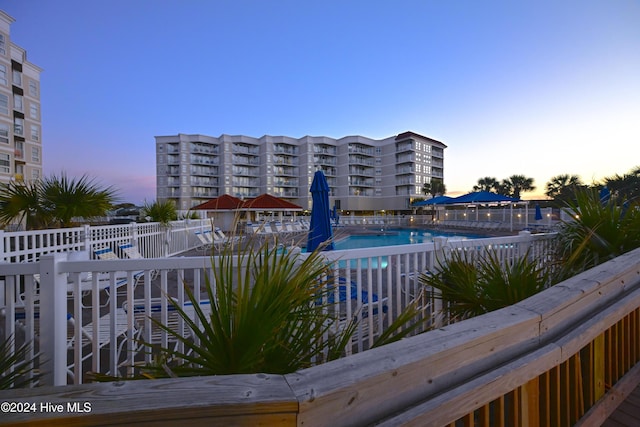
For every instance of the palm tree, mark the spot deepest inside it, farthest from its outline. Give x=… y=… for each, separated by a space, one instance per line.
x=69 y=198
x=436 y=187
x=487 y=184
x=561 y=185
x=626 y=186
x=162 y=211
x=22 y=203
x=426 y=188
x=518 y=184
x=53 y=201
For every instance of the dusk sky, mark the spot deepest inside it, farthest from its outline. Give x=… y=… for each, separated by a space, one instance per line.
x=538 y=88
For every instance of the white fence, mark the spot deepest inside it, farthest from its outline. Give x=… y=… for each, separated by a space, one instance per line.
x=153 y=240
x=86 y=315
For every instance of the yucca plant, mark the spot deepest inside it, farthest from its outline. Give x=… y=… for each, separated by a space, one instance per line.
x=470 y=286
x=16 y=367
x=598 y=231
x=266 y=316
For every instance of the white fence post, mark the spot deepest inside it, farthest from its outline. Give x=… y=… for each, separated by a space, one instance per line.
x=53 y=319
x=2 y=248
x=439 y=257
x=87 y=238
x=133 y=234
x=523 y=247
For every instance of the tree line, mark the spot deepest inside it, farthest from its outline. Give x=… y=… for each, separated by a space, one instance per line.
x=560 y=189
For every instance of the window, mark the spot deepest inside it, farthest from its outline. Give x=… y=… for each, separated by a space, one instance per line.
x=18 y=126
x=33 y=111
x=3 y=50
x=17 y=102
x=35 y=174
x=3 y=74
x=33 y=88
x=35 y=154
x=17 y=78
x=4 y=163
x=4 y=133
x=35 y=132
x=4 y=104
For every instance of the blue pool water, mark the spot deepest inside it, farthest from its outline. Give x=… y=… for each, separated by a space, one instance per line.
x=396 y=236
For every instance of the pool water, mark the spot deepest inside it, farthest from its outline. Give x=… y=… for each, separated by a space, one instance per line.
x=396 y=236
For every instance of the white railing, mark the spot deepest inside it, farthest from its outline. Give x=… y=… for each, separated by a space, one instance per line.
x=76 y=312
x=153 y=239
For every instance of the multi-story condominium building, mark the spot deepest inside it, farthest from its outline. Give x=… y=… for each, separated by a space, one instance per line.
x=364 y=174
x=20 y=120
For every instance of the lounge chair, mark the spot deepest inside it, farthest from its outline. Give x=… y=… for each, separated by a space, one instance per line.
x=150 y=332
x=368 y=312
x=121 y=277
x=259 y=229
x=132 y=252
x=205 y=243
x=221 y=237
x=83 y=333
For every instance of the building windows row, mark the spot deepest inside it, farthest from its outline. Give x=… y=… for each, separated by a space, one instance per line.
x=18 y=105
x=5 y=163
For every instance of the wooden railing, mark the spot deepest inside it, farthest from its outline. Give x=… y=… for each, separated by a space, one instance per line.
x=563 y=357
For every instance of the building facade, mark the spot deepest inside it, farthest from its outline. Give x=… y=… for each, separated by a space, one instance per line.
x=20 y=113
x=364 y=174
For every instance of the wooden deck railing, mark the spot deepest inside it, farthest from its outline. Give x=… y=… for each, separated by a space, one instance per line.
x=563 y=357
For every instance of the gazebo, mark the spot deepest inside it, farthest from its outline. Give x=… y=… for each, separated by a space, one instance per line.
x=226 y=210
x=269 y=206
x=222 y=210
x=476 y=199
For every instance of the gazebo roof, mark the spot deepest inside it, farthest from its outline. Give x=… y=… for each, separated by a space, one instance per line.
x=270 y=203
x=483 y=197
x=224 y=202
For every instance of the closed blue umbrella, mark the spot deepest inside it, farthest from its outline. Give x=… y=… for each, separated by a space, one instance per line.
x=538 y=212
x=605 y=195
x=320 y=226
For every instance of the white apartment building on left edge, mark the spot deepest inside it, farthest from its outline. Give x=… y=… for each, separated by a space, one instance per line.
x=363 y=174
x=20 y=110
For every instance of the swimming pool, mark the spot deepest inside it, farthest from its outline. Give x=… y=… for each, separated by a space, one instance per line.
x=395 y=236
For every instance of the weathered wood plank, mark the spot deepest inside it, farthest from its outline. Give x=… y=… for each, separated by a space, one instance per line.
x=243 y=399
x=452 y=404
x=349 y=389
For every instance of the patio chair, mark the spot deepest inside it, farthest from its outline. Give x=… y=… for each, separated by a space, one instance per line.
x=259 y=229
x=375 y=307
x=86 y=331
x=121 y=277
x=154 y=311
x=221 y=237
x=132 y=252
x=205 y=243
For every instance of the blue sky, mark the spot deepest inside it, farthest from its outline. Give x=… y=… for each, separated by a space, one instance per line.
x=538 y=88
